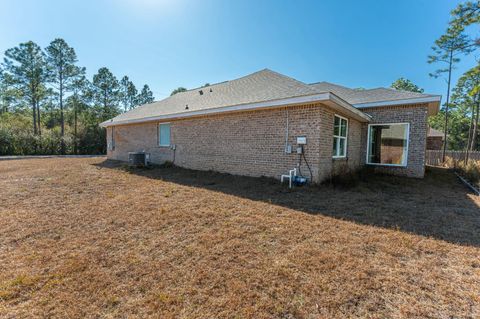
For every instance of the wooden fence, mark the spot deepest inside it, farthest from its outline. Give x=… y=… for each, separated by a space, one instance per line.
x=434 y=158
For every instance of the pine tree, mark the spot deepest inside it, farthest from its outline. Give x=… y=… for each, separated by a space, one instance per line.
x=446 y=51
x=467 y=95
x=105 y=93
x=8 y=93
x=406 y=85
x=466 y=14
x=178 y=90
x=61 y=59
x=145 y=96
x=128 y=93
x=80 y=86
x=25 y=65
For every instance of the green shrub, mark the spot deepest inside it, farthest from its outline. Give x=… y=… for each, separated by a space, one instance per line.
x=17 y=138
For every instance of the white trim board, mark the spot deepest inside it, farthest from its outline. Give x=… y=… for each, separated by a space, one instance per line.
x=436 y=98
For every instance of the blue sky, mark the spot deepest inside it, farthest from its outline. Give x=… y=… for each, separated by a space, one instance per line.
x=171 y=43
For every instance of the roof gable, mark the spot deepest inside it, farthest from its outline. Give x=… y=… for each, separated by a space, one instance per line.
x=361 y=96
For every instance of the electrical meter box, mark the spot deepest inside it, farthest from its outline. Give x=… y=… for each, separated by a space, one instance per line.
x=301 y=140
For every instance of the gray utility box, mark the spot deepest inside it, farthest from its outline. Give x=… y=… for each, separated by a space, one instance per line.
x=138 y=159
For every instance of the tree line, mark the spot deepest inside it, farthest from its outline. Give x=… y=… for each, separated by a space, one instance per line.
x=459 y=116
x=463 y=112
x=49 y=106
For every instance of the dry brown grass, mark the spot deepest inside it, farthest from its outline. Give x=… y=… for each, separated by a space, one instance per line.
x=469 y=170
x=80 y=238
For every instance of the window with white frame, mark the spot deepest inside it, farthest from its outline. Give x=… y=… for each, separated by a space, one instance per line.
x=164 y=134
x=340 y=133
x=388 y=144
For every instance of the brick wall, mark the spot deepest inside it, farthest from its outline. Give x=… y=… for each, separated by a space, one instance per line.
x=245 y=143
x=354 y=149
x=248 y=143
x=253 y=143
x=417 y=116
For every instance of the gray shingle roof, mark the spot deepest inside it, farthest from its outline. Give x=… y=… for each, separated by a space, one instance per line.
x=264 y=85
x=360 y=96
x=261 y=86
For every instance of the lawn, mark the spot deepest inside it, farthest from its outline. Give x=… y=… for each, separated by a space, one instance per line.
x=89 y=238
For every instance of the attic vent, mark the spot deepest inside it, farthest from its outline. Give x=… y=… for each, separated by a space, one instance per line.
x=201 y=92
x=186 y=107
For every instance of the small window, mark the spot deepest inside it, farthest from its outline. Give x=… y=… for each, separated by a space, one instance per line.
x=340 y=132
x=164 y=134
x=388 y=144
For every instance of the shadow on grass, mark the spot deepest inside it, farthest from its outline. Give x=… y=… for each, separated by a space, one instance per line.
x=436 y=206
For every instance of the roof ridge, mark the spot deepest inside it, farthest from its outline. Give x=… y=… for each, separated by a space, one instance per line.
x=389 y=88
x=285 y=76
x=227 y=81
x=334 y=84
x=209 y=85
x=366 y=90
x=399 y=90
x=180 y=94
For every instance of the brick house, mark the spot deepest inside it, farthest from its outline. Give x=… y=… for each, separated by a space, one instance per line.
x=434 y=139
x=252 y=125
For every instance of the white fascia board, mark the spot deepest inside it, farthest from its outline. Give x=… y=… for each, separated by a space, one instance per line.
x=320 y=97
x=429 y=99
x=235 y=108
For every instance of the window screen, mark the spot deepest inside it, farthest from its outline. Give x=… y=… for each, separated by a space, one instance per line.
x=164 y=134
